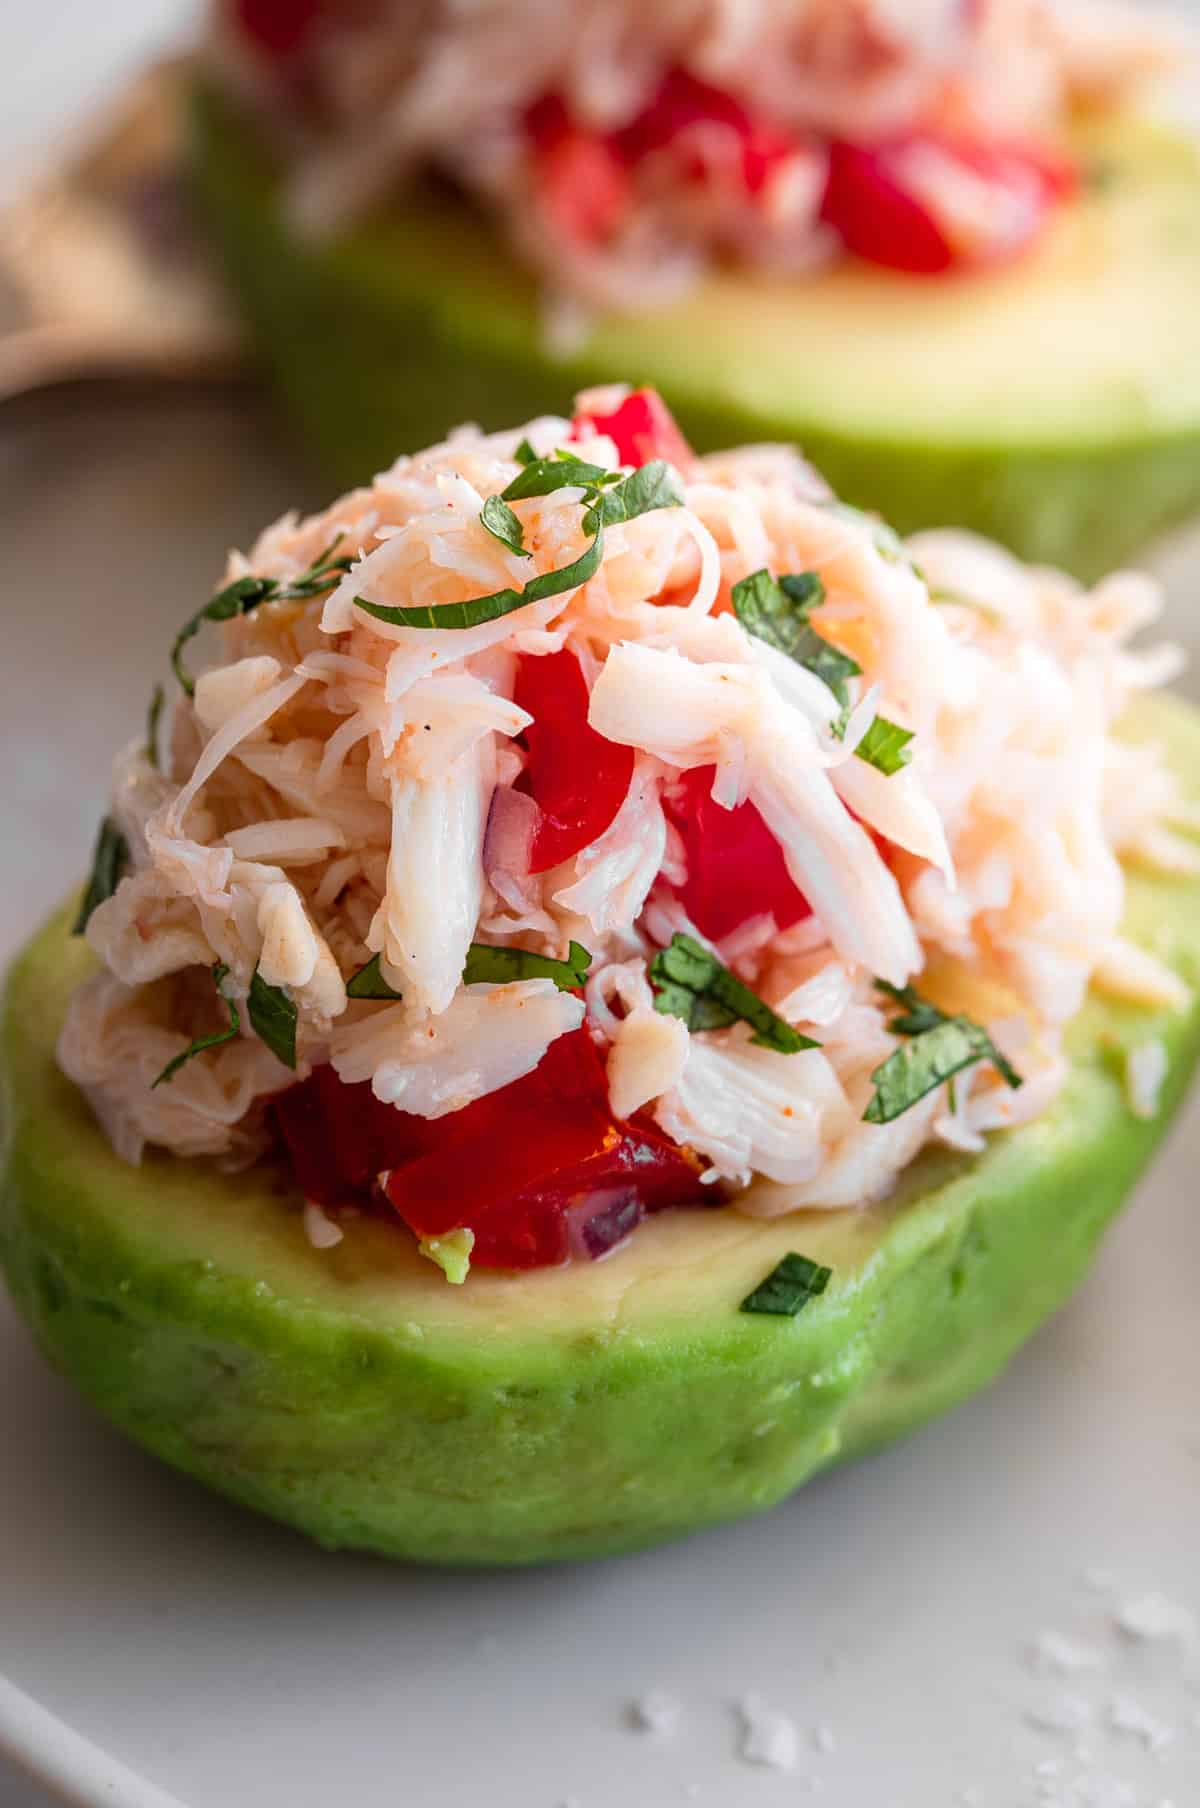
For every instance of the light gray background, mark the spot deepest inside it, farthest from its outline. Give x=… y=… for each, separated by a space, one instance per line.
x=232 y=1664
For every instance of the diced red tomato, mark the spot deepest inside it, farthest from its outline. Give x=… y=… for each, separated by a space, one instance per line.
x=641 y=427
x=278 y=27
x=513 y=1167
x=735 y=866
x=582 y=181
x=578 y=779
x=683 y=103
x=870 y=201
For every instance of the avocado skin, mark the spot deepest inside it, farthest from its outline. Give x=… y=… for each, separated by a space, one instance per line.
x=371 y=359
x=352 y=1394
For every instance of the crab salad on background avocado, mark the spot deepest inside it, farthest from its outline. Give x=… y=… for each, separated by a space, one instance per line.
x=950 y=250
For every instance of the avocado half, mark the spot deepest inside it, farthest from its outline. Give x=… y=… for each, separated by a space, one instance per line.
x=572 y=1412
x=1054 y=406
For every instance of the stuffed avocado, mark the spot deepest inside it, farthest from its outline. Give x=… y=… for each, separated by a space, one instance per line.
x=612 y=930
x=964 y=285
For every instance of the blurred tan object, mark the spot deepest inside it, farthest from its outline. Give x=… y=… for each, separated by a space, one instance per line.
x=101 y=273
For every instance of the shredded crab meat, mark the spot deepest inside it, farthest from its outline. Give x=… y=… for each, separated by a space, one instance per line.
x=342 y=788
x=385 y=92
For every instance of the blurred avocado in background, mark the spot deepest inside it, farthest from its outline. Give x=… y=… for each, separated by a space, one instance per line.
x=1050 y=401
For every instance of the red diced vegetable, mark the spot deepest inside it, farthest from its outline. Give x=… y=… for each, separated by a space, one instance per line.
x=681 y=104
x=735 y=866
x=871 y=202
x=281 y=28
x=581 y=180
x=641 y=427
x=578 y=779
x=521 y=1167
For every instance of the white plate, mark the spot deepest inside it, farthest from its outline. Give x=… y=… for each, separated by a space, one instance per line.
x=892 y=1604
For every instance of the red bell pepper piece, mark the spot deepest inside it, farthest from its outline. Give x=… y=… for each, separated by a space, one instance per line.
x=682 y=103
x=641 y=427
x=870 y=201
x=578 y=779
x=511 y=1167
x=735 y=866
x=581 y=179
x=280 y=28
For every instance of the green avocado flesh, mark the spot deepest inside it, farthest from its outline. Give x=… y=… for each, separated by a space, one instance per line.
x=1054 y=405
x=568 y=1413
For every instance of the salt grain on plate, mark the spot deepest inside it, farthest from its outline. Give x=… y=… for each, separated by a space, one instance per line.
x=1128 y=1716
x=1154 y=1617
x=321 y=1231
x=1052 y=1654
x=656 y=1712
x=768 y=1738
x=1061 y=1713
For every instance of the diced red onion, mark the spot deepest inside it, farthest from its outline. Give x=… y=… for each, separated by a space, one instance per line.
x=599 y=1221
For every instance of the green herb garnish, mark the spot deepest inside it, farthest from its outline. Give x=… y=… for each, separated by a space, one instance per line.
x=608 y=497
x=486 y=964
x=153 y=718
x=273 y=1016
x=249 y=593
x=789 y=1287
x=940 y=1046
x=500 y=965
x=542 y=476
x=524 y=454
x=886 y=745
x=219 y=973
x=109 y=861
x=776 y=610
x=692 y=984
x=369 y=982
x=653 y=486
x=479 y=609
x=504 y=526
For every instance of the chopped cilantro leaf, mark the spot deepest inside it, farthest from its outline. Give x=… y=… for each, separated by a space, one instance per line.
x=886 y=746
x=940 y=1046
x=499 y=966
x=219 y=973
x=369 y=982
x=692 y=984
x=777 y=610
x=543 y=476
x=153 y=718
x=109 y=861
x=789 y=1287
x=504 y=526
x=273 y=1016
x=653 y=486
x=486 y=964
x=479 y=609
x=248 y=593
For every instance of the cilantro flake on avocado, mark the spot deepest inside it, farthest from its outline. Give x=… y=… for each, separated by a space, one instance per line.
x=788 y=1288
